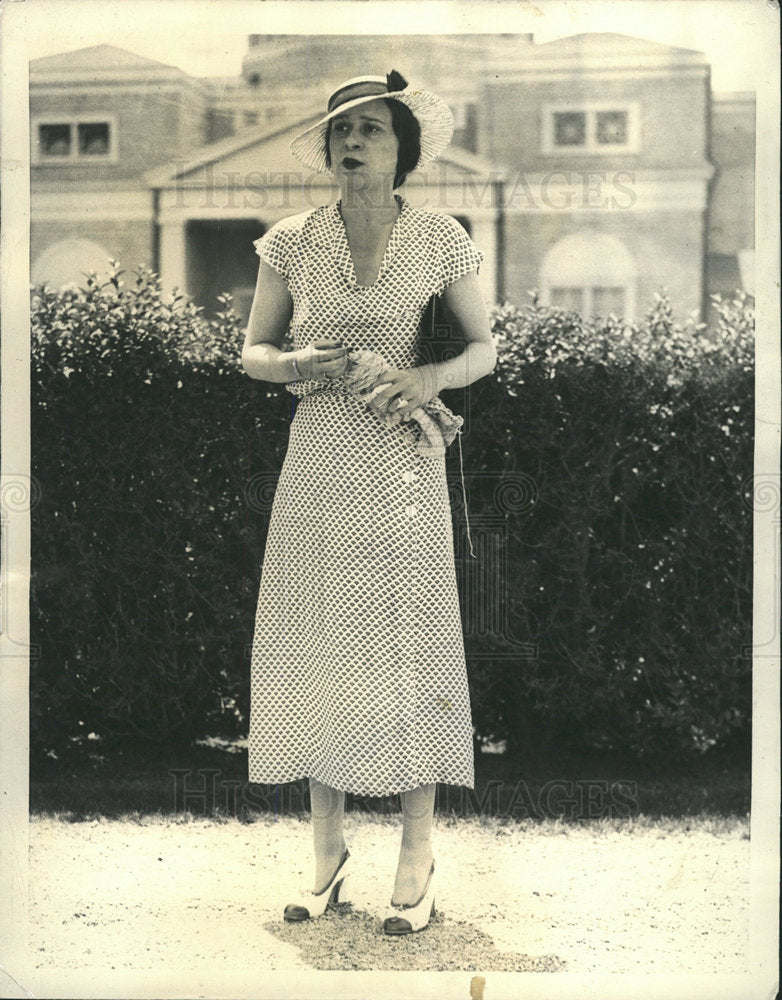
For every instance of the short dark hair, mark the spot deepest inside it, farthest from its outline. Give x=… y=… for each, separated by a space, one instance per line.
x=408 y=136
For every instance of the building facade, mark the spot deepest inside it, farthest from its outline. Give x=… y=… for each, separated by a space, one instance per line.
x=597 y=169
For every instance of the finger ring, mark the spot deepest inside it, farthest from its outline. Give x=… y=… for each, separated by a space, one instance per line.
x=402 y=402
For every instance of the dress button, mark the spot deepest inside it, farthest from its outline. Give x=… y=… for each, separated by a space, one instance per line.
x=411 y=510
x=409 y=476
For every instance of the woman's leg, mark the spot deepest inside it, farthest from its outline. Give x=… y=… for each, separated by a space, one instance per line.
x=327 y=812
x=415 y=856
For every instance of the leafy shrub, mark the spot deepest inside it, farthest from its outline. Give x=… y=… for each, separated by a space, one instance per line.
x=145 y=553
x=630 y=573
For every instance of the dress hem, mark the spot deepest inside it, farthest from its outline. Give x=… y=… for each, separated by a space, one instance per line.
x=372 y=793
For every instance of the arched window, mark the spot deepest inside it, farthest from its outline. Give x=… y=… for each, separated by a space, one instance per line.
x=591 y=273
x=68 y=262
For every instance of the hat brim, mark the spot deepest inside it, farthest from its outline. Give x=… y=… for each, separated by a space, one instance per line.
x=432 y=113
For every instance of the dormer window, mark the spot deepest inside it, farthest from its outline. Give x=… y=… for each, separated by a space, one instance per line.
x=590 y=128
x=74 y=141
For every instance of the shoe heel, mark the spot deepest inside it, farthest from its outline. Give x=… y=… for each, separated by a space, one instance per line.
x=419 y=922
x=311 y=904
x=341 y=891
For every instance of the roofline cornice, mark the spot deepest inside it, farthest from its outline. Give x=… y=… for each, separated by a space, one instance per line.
x=555 y=70
x=85 y=77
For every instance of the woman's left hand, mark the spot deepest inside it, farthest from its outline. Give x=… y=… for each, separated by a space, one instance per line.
x=399 y=391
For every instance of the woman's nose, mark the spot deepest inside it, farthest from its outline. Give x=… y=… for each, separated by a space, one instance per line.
x=353 y=139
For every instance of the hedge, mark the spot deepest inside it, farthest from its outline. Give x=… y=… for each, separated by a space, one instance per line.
x=604 y=462
x=630 y=557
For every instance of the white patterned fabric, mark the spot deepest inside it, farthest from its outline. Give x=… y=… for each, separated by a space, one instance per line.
x=358 y=675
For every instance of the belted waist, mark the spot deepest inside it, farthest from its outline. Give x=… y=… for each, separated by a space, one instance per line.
x=315 y=387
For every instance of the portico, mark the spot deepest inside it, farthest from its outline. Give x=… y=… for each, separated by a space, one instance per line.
x=210 y=208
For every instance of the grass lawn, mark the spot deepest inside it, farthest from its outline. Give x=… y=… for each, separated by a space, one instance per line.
x=210 y=781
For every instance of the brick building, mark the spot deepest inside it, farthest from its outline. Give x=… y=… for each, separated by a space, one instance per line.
x=598 y=168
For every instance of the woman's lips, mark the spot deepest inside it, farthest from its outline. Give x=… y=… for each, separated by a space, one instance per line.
x=350 y=163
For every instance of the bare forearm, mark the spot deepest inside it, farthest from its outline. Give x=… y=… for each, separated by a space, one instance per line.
x=320 y=359
x=476 y=360
x=269 y=363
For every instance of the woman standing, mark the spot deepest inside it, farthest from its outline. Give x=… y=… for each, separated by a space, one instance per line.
x=358 y=673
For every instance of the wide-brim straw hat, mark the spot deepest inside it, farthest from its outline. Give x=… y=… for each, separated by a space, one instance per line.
x=432 y=113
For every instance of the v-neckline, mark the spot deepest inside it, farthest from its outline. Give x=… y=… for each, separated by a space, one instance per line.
x=348 y=265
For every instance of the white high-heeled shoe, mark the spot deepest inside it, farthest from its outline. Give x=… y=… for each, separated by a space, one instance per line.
x=314 y=904
x=410 y=917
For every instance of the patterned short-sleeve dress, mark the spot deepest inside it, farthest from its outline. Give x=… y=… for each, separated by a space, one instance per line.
x=358 y=674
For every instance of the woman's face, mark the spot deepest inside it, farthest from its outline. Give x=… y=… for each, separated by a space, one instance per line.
x=362 y=142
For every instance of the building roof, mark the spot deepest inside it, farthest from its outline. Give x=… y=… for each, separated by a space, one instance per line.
x=319 y=48
x=428 y=61
x=100 y=62
x=609 y=41
x=601 y=52
x=213 y=153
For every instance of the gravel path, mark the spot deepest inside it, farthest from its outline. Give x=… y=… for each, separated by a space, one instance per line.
x=513 y=897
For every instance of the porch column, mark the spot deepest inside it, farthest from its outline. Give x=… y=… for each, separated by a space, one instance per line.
x=173 y=259
x=484 y=236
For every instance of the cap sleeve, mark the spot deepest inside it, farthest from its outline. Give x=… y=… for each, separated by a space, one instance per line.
x=274 y=248
x=458 y=254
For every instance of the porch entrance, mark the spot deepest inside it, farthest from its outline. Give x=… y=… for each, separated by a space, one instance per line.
x=221 y=258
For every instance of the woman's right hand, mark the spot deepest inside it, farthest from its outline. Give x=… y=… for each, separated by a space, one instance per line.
x=322 y=359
